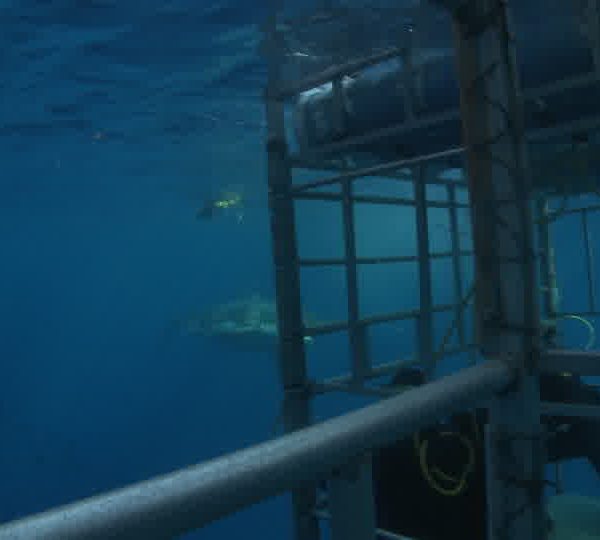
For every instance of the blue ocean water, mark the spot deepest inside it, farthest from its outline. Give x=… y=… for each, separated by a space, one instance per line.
x=117 y=122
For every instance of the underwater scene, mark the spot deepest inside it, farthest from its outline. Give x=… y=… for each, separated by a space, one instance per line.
x=139 y=331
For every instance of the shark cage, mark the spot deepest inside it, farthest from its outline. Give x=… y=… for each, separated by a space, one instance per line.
x=436 y=111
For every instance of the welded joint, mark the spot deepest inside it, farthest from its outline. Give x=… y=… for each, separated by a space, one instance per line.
x=520 y=367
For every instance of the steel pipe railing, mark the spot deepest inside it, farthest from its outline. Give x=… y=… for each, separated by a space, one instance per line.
x=584 y=363
x=188 y=499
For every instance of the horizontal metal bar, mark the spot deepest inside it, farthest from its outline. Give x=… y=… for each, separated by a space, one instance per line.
x=320 y=387
x=301 y=163
x=447 y=254
x=589 y=123
x=440 y=308
x=578 y=362
x=323 y=329
x=430 y=121
x=190 y=498
x=383 y=168
x=339 y=326
x=323 y=262
x=380 y=260
x=373 y=199
x=345 y=383
x=564 y=409
x=566 y=211
x=334 y=72
x=389 y=367
x=556 y=87
x=354 y=389
x=534 y=136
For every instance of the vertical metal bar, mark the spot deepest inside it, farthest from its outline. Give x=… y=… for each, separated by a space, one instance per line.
x=558 y=478
x=505 y=272
x=338 y=119
x=425 y=319
x=589 y=261
x=513 y=456
x=550 y=297
x=548 y=282
x=351 y=502
x=456 y=267
x=296 y=411
x=589 y=22
x=357 y=333
x=409 y=76
x=594 y=31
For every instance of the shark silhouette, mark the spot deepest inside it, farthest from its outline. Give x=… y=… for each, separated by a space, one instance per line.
x=249 y=322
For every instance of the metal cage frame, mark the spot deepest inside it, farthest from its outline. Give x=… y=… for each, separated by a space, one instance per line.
x=509 y=330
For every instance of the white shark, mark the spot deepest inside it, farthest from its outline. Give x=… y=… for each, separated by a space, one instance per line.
x=250 y=323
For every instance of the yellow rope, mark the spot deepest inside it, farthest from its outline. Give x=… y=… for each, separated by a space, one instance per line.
x=460 y=483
